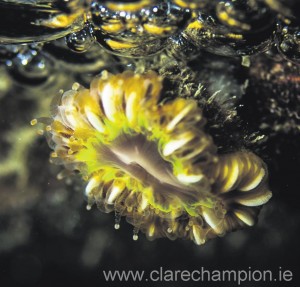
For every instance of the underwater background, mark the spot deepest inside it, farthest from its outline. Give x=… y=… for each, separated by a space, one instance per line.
x=48 y=237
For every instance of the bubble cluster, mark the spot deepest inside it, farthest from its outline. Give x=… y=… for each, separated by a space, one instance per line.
x=142 y=28
x=288 y=41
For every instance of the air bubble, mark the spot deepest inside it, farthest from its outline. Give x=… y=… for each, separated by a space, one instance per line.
x=288 y=43
x=81 y=41
x=8 y=63
x=30 y=66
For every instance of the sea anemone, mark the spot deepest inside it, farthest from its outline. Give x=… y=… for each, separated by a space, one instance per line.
x=150 y=160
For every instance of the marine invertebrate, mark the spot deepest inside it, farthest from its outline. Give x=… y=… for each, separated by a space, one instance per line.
x=152 y=161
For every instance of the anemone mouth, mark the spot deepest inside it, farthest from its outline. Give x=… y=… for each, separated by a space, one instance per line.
x=152 y=162
x=141 y=159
